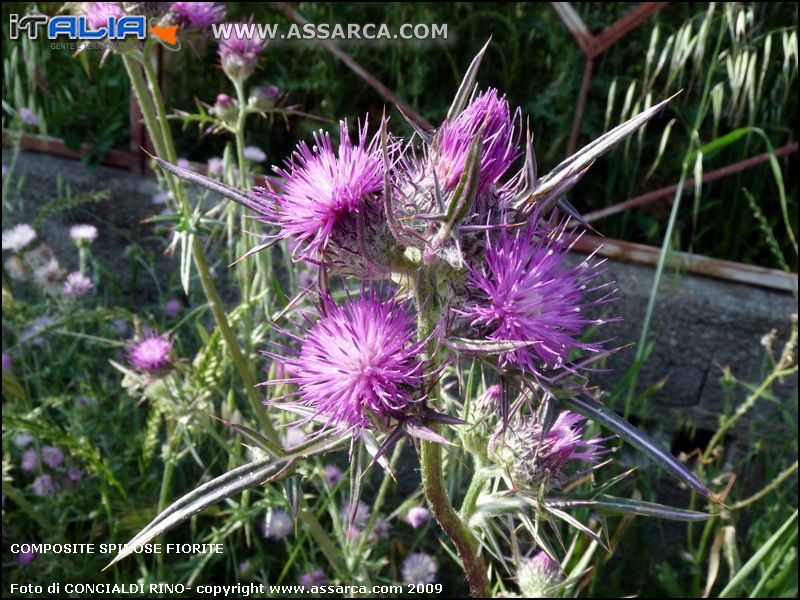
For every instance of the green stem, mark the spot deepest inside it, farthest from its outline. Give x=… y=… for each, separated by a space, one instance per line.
x=162 y=140
x=319 y=535
x=244 y=265
x=473 y=493
x=376 y=506
x=430 y=458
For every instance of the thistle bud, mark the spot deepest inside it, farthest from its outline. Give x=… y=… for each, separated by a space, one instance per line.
x=264 y=97
x=539 y=577
x=533 y=458
x=239 y=54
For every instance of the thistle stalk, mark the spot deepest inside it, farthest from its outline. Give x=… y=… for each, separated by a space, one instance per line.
x=154 y=116
x=433 y=483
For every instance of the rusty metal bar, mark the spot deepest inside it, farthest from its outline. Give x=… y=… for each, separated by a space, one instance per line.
x=692 y=263
x=624 y=25
x=572 y=21
x=669 y=191
x=593 y=46
x=56 y=146
x=580 y=106
x=331 y=47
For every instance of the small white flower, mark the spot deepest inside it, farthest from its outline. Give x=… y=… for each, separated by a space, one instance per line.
x=49 y=276
x=278 y=524
x=83 y=235
x=419 y=568
x=255 y=154
x=18 y=237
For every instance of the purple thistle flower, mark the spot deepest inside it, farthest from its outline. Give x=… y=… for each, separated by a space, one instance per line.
x=315 y=578
x=419 y=568
x=53 y=457
x=151 y=353
x=358 y=360
x=332 y=475
x=500 y=148
x=173 y=307
x=44 y=485
x=201 y=14
x=523 y=292
x=532 y=459
x=77 y=284
x=361 y=517
x=28 y=116
x=98 y=13
x=27 y=555
x=380 y=530
x=323 y=188
x=7 y=362
x=184 y=163
x=30 y=460
x=216 y=166
x=74 y=475
x=417 y=516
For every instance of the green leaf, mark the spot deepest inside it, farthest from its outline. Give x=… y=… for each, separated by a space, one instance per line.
x=625 y=506
x=606 y=417
x=756 y=560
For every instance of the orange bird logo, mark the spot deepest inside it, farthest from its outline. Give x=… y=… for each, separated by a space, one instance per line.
x=168 y=34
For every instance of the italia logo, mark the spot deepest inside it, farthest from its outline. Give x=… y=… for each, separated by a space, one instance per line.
x=77 y=28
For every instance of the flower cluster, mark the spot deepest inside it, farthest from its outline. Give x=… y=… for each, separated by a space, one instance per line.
x=442 y=218
x=48 y=464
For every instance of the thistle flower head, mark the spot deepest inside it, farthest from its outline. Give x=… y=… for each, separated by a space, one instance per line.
x=523 y=292
x=98 y=13
x=28 y=116
x=265 y=97
x=18 y=237
x=277 y=524
x=7 y=362
x=152 y=353
x=52 y=456
x=314 y=578
x=499 y=148
x=30 y=460
x=83 y=235
x=538 y=577
x=324 y=187
x=74 y=475
x=254 y=154
x=49 y=276
x=44 y=485
x=200 y=14
x=417 y=516
x=419 y=568
x=173 y=307
x=77 y=284
x=532 y=459
x=26 y=556
x=239 y=52
x=332 y=474
x=380 y=530
x=362 y=514
x=358 y=361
